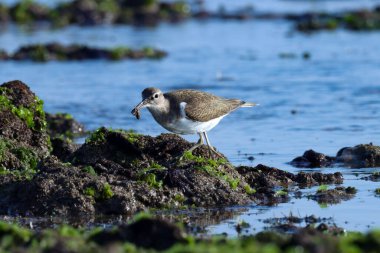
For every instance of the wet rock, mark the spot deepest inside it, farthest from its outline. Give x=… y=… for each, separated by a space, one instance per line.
x=363 y=155
x=375 y=177
x=63 y=125
x=352 y=20
x=333 y=196
x=317 y=178
x=97 y=12
x=312 y=159
x=147 y=233
x=23 y=136
x=58 y=52
x=118 y=171
x=197 y=179
x=63 y=148
x=293 y=224
x=264 y=176
x=29 y=11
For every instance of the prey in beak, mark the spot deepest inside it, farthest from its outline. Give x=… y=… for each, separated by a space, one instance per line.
x=151 y=97
x=136 y=110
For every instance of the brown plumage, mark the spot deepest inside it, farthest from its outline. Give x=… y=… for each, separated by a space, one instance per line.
x=187 y=111
x=202 y=106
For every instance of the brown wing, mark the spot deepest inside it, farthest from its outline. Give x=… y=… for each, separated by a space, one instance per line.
x=202 y=106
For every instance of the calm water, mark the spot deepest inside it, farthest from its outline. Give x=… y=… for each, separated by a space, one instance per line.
x=335 y=94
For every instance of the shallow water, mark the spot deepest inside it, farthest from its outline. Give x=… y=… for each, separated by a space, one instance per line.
x=334 y=95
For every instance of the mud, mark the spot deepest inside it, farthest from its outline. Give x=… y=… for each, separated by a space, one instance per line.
x=359 y=156
x=59 y=52
x=333 y=196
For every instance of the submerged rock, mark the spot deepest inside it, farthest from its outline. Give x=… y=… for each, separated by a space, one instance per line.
x=333 y=196
x=363 y=155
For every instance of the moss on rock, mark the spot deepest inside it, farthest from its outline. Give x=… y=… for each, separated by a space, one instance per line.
x=23 y=136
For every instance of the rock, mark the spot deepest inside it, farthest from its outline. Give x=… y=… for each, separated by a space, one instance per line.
x=23 y=136
x=375 y=177
x=363 y=155
x=264 y=179
x=58 y=52
x=147 y=233
x=63 y=148
x=118 y=171
x=333 y=196
x=317 y=178
x=63 y=125
x=29 y=11
x=312 y=159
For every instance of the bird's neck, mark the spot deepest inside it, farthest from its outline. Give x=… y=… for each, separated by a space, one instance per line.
x=160 y=111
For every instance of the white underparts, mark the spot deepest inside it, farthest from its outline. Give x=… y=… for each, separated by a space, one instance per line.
x=184 y=125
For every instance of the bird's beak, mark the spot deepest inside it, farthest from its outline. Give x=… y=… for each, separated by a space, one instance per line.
x=136 y=110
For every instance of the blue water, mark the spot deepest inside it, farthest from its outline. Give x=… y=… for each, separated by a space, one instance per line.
x=335 y=94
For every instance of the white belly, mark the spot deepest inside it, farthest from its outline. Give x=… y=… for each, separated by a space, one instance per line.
x=186 y=126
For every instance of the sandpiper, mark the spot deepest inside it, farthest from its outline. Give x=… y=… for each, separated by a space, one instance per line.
x=188 y=111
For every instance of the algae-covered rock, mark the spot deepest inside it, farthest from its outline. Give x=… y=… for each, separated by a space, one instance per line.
x=333 y=196
x=27 y=11
x=363 y=155
x=75 y=52
x=23 y=136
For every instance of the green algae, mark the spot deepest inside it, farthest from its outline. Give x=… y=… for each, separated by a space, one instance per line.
x=323 y=188
x=148 y=175
x=89 y=170
x=68 y=239
x=27 y=114
x=212 y=167
x=119 y=53
x=282 y=192
x=102 y=194
x=96 y=137
x=99 y=136
x=27 y=157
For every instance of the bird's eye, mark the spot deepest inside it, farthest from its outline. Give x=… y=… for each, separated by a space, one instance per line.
x=156 y=96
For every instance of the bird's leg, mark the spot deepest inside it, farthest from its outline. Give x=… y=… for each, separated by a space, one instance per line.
x=212 y=150
x=198 y=144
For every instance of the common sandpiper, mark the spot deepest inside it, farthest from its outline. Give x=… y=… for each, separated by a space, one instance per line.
x=188 y=111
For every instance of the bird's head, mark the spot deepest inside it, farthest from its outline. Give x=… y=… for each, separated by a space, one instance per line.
x=151 y=97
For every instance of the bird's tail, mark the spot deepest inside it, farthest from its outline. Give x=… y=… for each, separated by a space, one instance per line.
x=247 y=104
